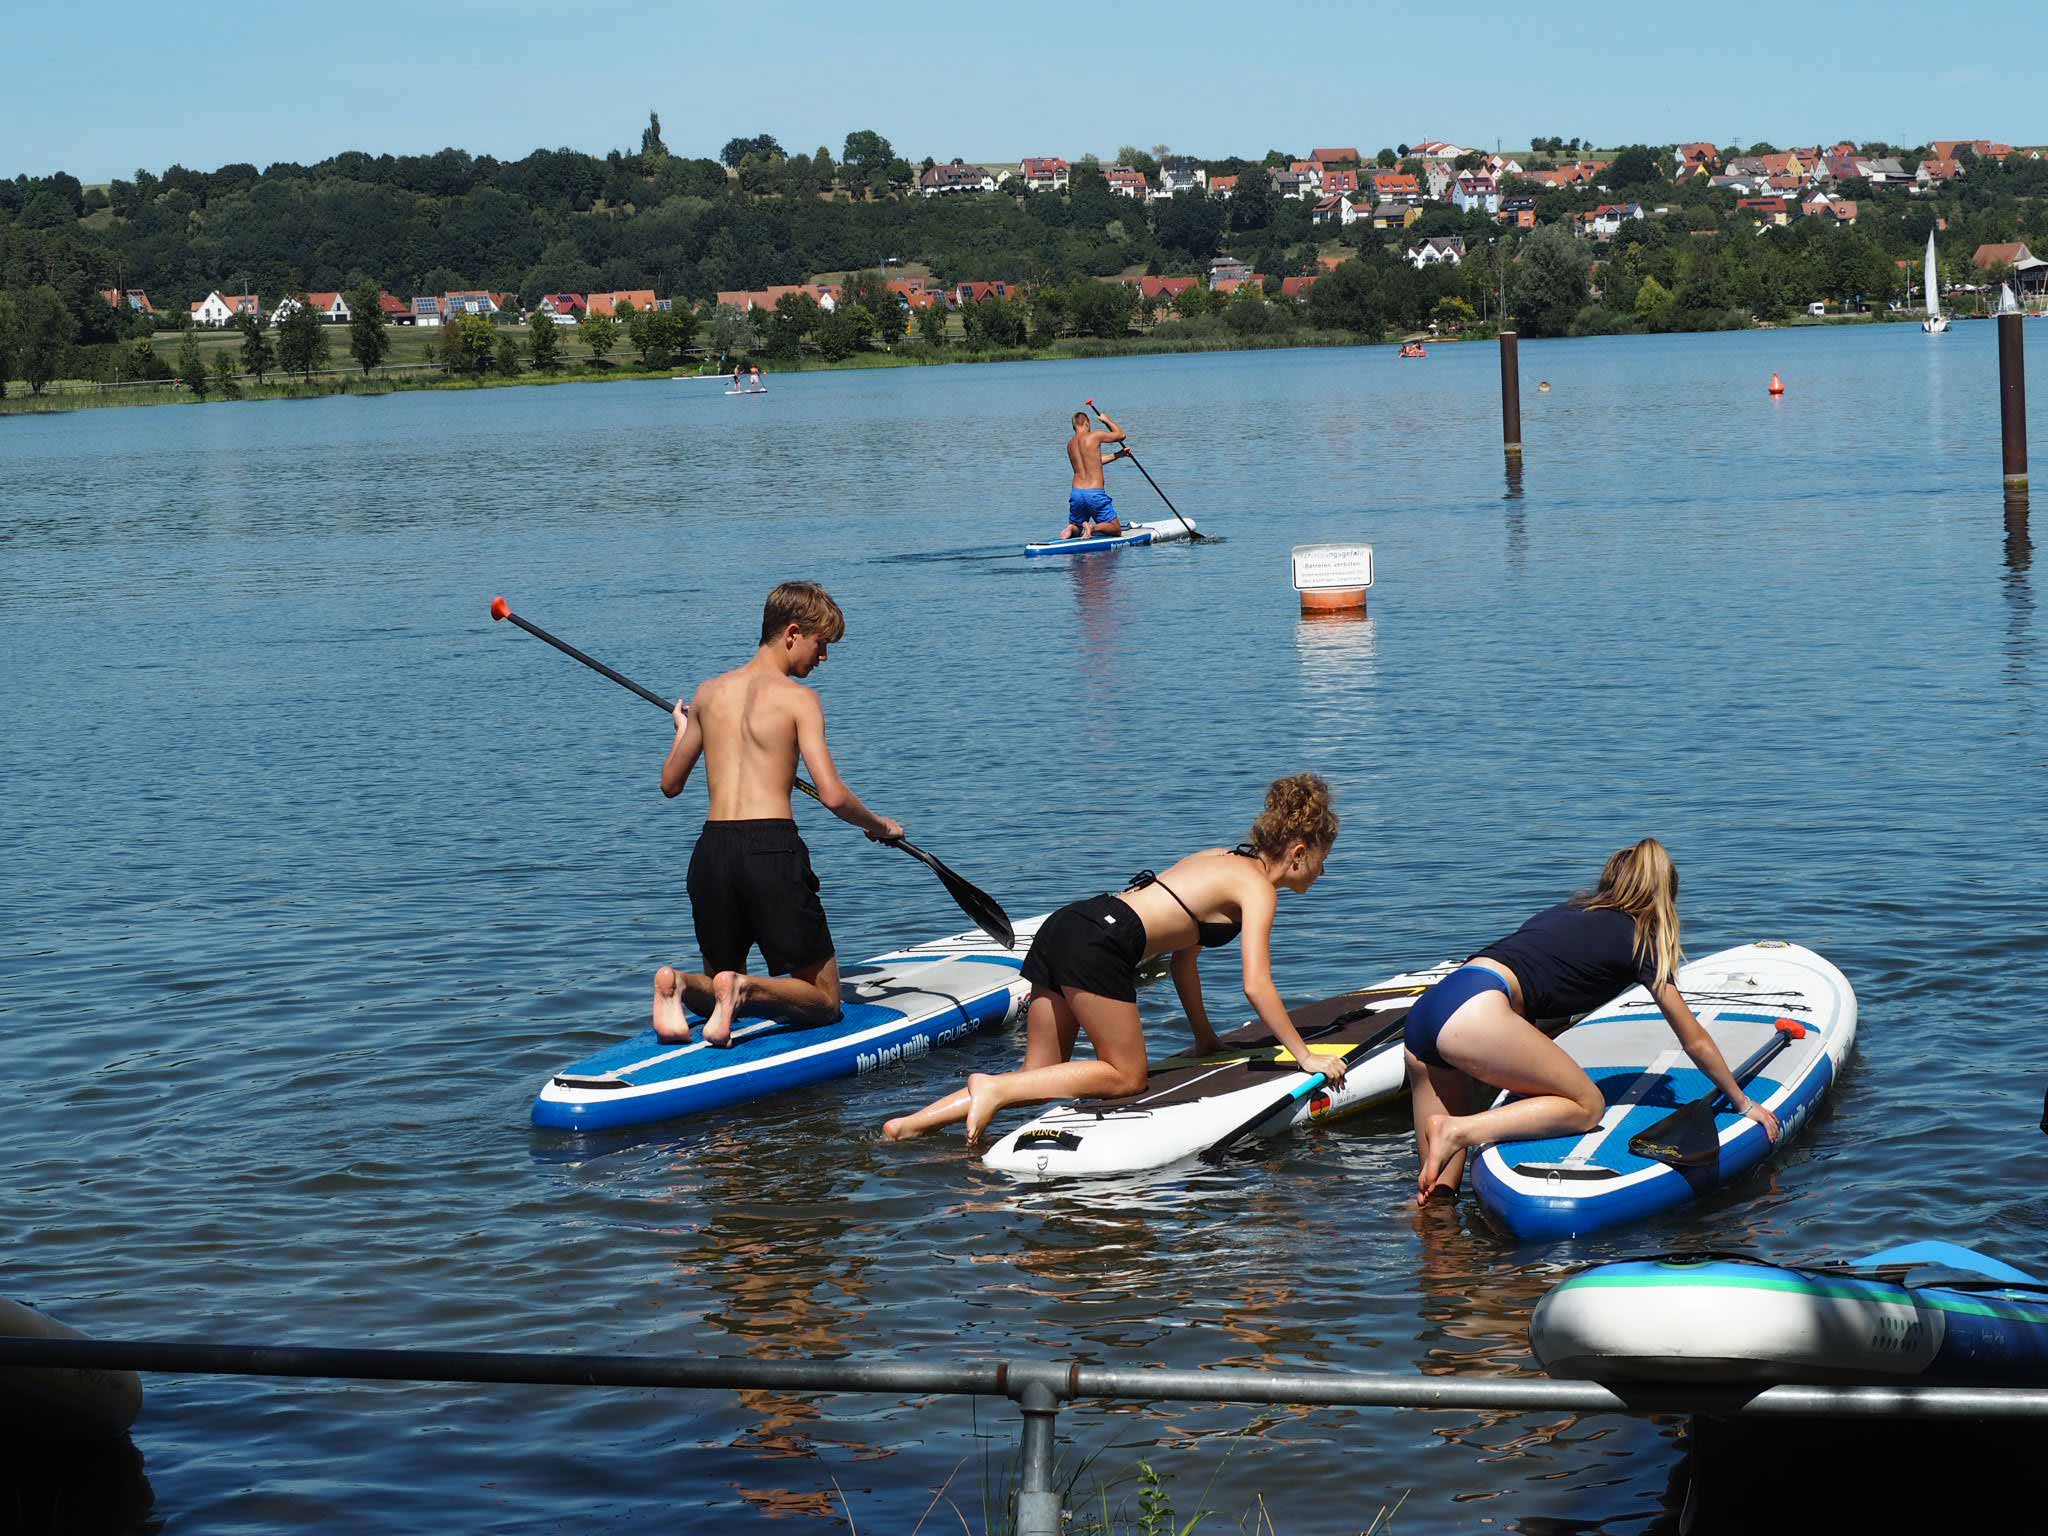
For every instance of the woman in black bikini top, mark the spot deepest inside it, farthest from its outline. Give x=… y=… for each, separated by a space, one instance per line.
x=1083 y=964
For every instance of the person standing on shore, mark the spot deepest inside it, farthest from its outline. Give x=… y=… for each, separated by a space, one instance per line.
x=750 y=879
x=1089 y=509
x=1474 y=1026
x=1083 y=964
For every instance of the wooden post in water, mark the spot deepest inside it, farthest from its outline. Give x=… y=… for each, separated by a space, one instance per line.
x=2012 y=398
x=1510 y=395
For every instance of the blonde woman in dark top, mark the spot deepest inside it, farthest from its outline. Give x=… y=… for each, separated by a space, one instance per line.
x=1083 y=964
x=1473 y=1026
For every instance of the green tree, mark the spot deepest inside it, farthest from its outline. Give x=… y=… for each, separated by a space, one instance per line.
x=368 y=342
x=652 y=150
x=600 y=334
x=1102 y=309
x=1552 y=281
x=729 y=333
x=191 y=370
x=796 y=316
x=871 y=292
x=544 y=344
x=658 y=336
x=302 y=340
x=762 y=145
x=224 y=376
x=867 y=160
x=1252 y=206
x=1348 y=299
x=836 y=334
x=468 y=345
x=45 y=327
x=1452 y=314
x=1635 y=166
x=1386 y=159
x=505 y=352
x=257 y=356
x=1189 y=225
x=931 y=325
x=10 y=340
x=1652 y=299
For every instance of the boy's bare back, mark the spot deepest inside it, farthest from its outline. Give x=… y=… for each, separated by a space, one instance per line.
x=753 y=721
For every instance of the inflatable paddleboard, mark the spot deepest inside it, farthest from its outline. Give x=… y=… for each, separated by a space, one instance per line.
x=1189 y=1103
x=1134 y=533
x=66 y=1402
x=1931 y=1313
x=761 y=391
x=896 y=1008
x=1565 y=1186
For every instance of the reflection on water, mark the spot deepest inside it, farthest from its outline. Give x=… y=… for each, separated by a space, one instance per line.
x=2019 y=591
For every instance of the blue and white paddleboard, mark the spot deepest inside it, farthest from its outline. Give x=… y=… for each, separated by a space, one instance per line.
x=1134 y=533
x=1566 y=1186
x=897 y=1007
x=1932 y=1313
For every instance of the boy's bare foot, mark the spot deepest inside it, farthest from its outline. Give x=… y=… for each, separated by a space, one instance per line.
x=670 y=1021
x=728 y=990
x=981 y=1105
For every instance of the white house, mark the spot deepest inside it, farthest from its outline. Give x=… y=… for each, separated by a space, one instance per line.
x=1475 y=193
x=1438 y=251
x=1049 y=174
x=426 y=309
x=1337 y=210
x=218 y=309
x=958 y=176
x=1180 y=173
x=1293 y=184
x=1125 y=182
x=1605 y=222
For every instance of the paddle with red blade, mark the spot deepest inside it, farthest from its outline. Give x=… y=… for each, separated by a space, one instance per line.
x=979 y=906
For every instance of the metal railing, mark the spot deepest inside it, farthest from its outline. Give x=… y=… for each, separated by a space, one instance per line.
x=1039 y=1388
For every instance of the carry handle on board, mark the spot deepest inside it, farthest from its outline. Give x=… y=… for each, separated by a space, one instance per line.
x=1688 y=1137
x=1194 y=535
x=1309 y=1083
x=975 y=902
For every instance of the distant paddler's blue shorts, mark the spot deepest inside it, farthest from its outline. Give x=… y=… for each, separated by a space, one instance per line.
x=1089 y=506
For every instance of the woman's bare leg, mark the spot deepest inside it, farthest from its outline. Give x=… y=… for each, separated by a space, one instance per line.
x=1112 y=1028
x=1049 y=1031
x=1437 y=1094
x=1489 y=1041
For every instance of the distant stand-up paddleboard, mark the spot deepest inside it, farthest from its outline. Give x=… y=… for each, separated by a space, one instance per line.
x=1133 y=534
x=1783 y=1017
x=761 y=391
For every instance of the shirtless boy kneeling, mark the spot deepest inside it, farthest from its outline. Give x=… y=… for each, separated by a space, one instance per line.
x=750 y=877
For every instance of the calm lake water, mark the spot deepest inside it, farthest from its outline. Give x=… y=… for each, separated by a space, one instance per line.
x=313 y=874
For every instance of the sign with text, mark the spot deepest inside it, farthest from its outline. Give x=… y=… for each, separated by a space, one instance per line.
x=1332 y=567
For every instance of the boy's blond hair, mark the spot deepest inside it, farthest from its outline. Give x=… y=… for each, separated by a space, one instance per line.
x=806 y=605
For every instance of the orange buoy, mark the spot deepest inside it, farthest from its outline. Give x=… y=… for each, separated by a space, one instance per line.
x=1777 y=385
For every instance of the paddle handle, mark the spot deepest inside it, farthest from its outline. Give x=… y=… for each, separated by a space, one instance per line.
x=500 y=609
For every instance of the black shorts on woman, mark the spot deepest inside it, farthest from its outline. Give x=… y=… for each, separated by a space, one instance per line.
x=1095 y=945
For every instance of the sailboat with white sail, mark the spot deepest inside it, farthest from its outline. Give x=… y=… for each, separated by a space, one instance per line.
x=1936 y=322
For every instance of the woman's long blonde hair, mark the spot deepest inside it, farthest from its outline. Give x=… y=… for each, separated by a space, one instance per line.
x=1643 y=882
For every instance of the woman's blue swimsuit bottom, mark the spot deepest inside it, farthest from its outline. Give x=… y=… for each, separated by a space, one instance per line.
x=1433 y=1010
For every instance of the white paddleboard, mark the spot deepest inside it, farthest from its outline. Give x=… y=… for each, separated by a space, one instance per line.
x=1133 y=534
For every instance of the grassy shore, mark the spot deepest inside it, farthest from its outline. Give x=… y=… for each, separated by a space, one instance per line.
x=414 y=365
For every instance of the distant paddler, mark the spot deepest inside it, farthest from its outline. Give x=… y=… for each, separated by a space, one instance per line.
x=1083 y=964
x=1090 y=512
x=750 y=878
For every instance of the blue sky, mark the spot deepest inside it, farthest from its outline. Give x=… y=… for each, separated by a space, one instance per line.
x=121 y=84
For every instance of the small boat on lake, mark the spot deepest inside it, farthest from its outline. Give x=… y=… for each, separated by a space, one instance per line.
x=1936 y=322
x=1413 y=349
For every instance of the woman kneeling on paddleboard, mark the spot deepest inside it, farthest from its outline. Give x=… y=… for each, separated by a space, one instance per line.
x=1083 y=964
x=1473 y=1026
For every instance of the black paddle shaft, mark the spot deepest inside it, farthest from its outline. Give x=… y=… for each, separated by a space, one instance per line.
x=1194 y=534
x=975 y=902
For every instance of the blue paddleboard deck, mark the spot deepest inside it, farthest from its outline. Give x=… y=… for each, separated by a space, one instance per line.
x=895 y=1008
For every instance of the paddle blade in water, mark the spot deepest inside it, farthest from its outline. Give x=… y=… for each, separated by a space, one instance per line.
x=1688 y=1137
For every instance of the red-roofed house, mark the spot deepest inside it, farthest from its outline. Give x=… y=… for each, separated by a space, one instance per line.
x=1339 y=183
x=392 y=307
x=1342 y=155
x=915 y=295
x=642 y=300
x=562 y=308
x=957 y=176
x=1700 y=159
x=1160 y=289
x=332 y=308
x=1396 y=187
x=1228 y=285
x=767 y=298
x=2029 y=272
x=1765 y=210
x=219 y=308
x=1934 y=170
x=1309 y=171
x=1046 y=174
x=1125 y=182
x=1604 y=222
x=1223 y=187
x=976 y=292
x=1296 y=287
x=1984 y=149
x=1337 y=210
x=133 y=298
